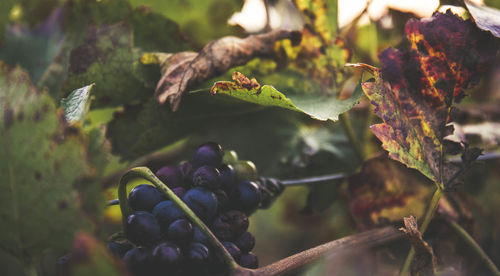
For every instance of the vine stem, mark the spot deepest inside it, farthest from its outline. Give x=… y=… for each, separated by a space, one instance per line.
x=343 y=245
x=351 y=135
x=474 y=246
x=429 y=214
x=145 y=173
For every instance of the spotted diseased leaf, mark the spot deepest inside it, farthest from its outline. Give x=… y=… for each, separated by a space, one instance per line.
x=41 y=160
x=320 y=107
x=106 y=58
x=214 y=59
x=486 y=18
x=414 y=90
x=384 y=191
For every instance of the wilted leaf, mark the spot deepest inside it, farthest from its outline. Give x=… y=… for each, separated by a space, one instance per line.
x=89 y=257
x=486 y=18
x=425 y=262
x=326 y=107
x=214 y=59
x=77 y=104
x=384 y=191
x=415 y=89
x=106 y=58
x=41 y=160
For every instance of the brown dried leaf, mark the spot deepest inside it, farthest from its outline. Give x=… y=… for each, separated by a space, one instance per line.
x=425 y=262
x=185 y=69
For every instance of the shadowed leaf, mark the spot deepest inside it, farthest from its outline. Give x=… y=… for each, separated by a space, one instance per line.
x=414 y=90
x=326 y=107
x=486 y=18
x=384 y=191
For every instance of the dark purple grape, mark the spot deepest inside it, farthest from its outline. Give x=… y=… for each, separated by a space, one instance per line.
x=233 y=250
x=199 y=236
x=138 y=260
x=227 y=176
x=187 y=173
x=119 y=248
x=172 y=176
x=230 y=225
x=180 y=231
x=245 y=196
x=166 y=212
x=202 y=202
x=208 y=177
x=245 y=242
x=249 y=260
x=209 y=153
x=166 y=256
x=142 y=228
x=179 y=191
x=197 y=253
x=222 y=200
x=144 y=197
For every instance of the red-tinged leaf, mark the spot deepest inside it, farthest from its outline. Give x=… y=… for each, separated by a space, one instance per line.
x=384 y=191
x=215 y=58
x=414 y=90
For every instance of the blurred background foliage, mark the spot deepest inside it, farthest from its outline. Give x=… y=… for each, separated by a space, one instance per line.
x=62 y=45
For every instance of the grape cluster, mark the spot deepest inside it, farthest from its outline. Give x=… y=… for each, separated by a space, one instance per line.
x=221 y=190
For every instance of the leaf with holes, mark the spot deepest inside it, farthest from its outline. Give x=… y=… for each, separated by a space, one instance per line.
x=320 y=107
x=42 y=158
x=414 y=90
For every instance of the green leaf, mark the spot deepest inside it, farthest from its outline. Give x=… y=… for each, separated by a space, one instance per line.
x=76 y=105
x=486 y=18
x=41 y=160
x=106 y=58
x=320 y=107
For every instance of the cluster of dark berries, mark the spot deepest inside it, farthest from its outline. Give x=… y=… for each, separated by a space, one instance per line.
x=221 y=190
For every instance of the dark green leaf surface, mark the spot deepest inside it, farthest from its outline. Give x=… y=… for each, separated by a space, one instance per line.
x=41 y=158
